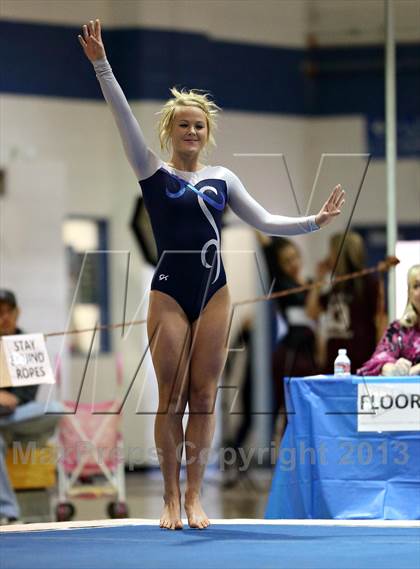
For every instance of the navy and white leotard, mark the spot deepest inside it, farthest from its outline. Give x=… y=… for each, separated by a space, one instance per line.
x=186 y=209
x=186 y=215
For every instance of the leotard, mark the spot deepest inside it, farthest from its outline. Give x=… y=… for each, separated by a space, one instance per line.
x=186 y=209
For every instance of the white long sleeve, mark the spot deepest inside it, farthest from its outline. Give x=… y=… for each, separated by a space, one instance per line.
x=142 y=159
x=254 y=214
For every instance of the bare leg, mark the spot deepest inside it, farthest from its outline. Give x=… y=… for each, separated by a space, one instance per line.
x=208 y=357
x=169 y=337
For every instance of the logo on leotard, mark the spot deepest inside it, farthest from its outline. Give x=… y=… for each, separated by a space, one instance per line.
x=163 y=277
x=183 y=185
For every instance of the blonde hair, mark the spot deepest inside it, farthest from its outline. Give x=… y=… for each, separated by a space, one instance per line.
x=410 y=316
x=186 y=98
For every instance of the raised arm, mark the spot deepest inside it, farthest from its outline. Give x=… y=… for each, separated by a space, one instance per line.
x=254 y=214
x=143 y=160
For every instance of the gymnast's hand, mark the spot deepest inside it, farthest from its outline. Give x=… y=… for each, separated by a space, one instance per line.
x=92 y=41
x=331 y=208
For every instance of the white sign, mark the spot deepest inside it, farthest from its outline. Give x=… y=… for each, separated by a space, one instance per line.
x=24 y=361
x=388 y=406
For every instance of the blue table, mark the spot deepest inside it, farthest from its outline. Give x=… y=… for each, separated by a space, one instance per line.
x=326 y=469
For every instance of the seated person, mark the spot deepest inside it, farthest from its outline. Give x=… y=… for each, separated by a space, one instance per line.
x=21 y=417
x=398 y=352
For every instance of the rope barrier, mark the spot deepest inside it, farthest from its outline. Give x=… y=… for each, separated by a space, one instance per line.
x=381 y=267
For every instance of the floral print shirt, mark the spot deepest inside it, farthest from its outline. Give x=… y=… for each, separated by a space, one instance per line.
x=397 y=342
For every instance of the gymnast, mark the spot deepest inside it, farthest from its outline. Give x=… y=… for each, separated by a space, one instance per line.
x=189 y=304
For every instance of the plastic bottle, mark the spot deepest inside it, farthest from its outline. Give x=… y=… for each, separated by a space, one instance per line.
x=342 y=364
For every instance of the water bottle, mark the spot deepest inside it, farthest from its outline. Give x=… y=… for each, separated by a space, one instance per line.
x=342 y=364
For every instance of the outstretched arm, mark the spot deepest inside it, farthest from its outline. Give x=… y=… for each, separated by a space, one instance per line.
x=254 y=214
x=143 y=160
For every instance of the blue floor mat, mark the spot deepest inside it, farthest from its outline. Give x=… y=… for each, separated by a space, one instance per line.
x=220 y=546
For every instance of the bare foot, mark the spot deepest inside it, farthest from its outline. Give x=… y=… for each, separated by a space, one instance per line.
x=171 y=515
x=196 y=515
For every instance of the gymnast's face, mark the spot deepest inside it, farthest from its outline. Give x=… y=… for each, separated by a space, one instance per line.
x=189 y=131
x=415 y=291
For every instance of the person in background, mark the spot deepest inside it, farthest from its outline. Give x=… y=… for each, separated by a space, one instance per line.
x=353 y=309
x=11 y=397
x=21 y=417
x=295 y=346
x=398 y=352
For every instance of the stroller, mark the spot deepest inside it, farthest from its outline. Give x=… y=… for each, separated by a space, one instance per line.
x=91 y=445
